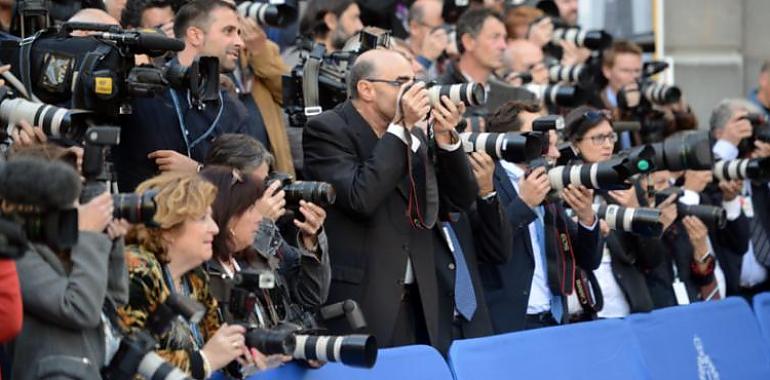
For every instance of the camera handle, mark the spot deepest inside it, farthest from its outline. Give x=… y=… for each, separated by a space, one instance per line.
x=349 y=309
x=97 y=172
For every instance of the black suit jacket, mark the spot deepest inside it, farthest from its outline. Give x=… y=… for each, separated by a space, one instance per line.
x=632 y=257
x=485 y=236
x=370 y=237
x=507 y=286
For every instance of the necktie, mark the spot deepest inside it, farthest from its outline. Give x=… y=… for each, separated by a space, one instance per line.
x=465 y=298
x=431 y=185
x=759 y=241
x=556 y=303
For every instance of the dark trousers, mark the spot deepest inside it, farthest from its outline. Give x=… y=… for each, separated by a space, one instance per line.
x=410 y=325
x=536 y=321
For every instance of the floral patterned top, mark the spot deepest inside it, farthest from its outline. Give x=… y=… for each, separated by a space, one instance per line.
x=148 y=288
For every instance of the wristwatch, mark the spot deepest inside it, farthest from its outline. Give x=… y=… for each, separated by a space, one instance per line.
x=489 y=197
x=705 y=258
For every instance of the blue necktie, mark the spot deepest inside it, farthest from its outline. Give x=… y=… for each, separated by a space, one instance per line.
x=465 y=298
x=556 y=304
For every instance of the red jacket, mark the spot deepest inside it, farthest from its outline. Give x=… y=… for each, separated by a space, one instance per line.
x=10 y=301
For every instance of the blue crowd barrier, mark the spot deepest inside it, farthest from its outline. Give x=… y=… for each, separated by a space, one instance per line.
x=762 y=311
x=597 y=350
x=403 y=363
x=705 y=340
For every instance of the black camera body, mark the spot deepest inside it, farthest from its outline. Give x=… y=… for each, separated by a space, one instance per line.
x=320 y=193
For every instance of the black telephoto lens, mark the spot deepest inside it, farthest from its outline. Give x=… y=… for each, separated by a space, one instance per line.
x=135 y=208
x=320 y=193
x=687 y=150
x=271 y=342
x=712 y=216
x=352 y=350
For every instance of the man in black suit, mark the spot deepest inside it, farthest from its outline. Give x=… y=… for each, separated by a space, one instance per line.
x=529 y=291
x=481 y=235
x=382 y=167
x=746 y=272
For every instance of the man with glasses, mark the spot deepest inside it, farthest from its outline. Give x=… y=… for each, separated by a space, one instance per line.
x=524 y=56
x=529 y=291
x=427 y=36
x=390 y=177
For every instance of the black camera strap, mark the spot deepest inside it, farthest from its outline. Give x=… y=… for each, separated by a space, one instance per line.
x=25 y=59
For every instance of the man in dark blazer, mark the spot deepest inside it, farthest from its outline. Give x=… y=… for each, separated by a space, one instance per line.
x=484 y=235
x=529 y=291
x=379 y=229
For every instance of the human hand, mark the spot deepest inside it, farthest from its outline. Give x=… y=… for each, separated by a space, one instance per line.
x=668 y=211
x=412 y=104
x=434 y=44
x=573 y=54
x=761 y=150
x=226 y=345
x=541 y=32
x=483 y=169
x=534 y=187
x=95 y=215
x=253 y=36
x=273 y=202
x=24 y=134
x=170 y=160
x=581 y=199
x=314 y=220
x=730 y=189
x=698 y=234
x=446 y=115
x=737 y=128
x=117 y=228
x=625 y=198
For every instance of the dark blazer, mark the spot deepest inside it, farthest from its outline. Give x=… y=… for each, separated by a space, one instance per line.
x=485 y=236
x=370 y=237
x=632 y=257
x=507 y=286
x=730 y=256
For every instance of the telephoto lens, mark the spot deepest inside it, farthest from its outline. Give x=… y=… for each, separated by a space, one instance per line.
x=275 y=13
x=686 y=150
x=352 y=350
x=591 y=39
x=573 y=74
x=757 y=169
x=612 y=174
x=639 y=221
x=55 y=121
x=472 y=94
x=557 y=94
x=320 y=193
x=510 y=146
x=271 y=342
x=713 y=217
x=761 y=130
x=135 y=208
x=659 y=93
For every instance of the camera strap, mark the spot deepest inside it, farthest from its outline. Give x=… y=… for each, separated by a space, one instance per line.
x=25 y=59
x=310 y=73
x=183 y=126
x=187 y=292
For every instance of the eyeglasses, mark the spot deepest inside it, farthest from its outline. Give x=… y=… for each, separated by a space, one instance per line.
x=600 y=139
x=398 y=82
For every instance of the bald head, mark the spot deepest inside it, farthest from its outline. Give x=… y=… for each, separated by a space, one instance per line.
x=372 y=64
x=521 y=55
x=93 y=15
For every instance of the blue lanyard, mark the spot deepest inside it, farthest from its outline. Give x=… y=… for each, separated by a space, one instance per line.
x=183 y=127
x=196 y=332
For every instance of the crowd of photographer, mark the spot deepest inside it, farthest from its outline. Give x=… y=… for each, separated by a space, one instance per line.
x=183 y=192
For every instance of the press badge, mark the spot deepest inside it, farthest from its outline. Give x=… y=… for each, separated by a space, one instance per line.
x=747 y=206
x=680 y=291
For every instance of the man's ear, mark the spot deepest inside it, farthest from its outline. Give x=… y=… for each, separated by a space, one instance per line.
x=365 y=90
x=469 y=43
x=330 y=19
x=194 y=36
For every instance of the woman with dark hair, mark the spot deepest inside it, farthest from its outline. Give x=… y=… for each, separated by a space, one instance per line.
x=626 y=258
x=236 y=209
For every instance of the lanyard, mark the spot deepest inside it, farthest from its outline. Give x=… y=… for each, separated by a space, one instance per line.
x=196 y=333
x=183 y=127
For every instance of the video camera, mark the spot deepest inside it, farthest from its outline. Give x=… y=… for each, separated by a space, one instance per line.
x=97 y=73
x=136 y=353
x=317 y=83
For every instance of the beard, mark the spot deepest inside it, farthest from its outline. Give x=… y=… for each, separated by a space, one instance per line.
x=339 y=37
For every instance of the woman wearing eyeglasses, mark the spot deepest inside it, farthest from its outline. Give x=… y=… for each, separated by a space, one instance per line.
x=626 y=257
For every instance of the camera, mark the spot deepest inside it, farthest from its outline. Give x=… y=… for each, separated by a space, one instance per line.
x=760 y=132
x=557 y=94
x=591 y=39
x=320 y=193
x=510 y=146
x=271 y=342
x=574 y=74
x=136 y=208
x=275 y=13
x=711 y=216
x=640 y=221
x=136 y=353
x=757 y=169
x=472 y=94
x=612 y=174
x=686 y=150
x=55 y=121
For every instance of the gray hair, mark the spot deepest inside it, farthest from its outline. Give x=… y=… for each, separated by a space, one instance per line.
x=362 y=69
x=725 y=110
x=237 y=151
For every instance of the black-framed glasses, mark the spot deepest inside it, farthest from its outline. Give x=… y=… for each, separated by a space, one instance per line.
x=398 y=82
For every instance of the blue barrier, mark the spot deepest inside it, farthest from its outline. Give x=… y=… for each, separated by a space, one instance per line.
x=762 y=311
x=403 y=363
x=706 y=340
x=597 y=350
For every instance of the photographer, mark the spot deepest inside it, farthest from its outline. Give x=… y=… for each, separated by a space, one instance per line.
x=428 y=39
x=64 y=291
x=522 y=56
x=167 y=260
x=746 y=272
x=149 y=14
x=625 y=257
x=530 y=290
x=760 y=96
x=166 y=132
x=303 y=260
x=330 y=22
x=481 y=42
x=382 y=169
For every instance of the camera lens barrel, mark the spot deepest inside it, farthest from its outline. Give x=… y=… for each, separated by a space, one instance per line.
x=711 y=216
x=568 y=73
x=661 y=94
x=472 y=94
x=55 y=121
x=510 y=146
x=557 y=94
x=271 y=342
x=352 y=350
x=601 y=175
x=591 y=39
x=320 y=193
x=687 y=150
x=640 y=221
x=135 y=208
x=277 y=14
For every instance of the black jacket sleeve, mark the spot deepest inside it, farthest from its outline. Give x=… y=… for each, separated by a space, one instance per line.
x=491 y=231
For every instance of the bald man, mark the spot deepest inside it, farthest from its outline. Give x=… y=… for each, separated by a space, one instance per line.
x=427 y=38
x=380 y=227
x=523 y=56
x=91 y=15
